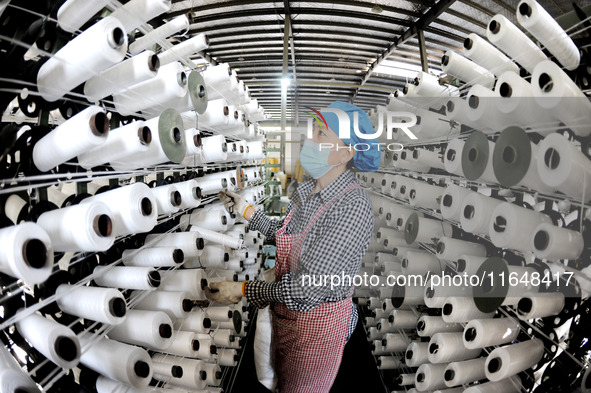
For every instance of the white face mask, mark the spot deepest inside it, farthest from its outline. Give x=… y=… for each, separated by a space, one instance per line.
x=314 y=159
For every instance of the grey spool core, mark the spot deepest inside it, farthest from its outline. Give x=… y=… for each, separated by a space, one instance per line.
x=66 y=348
x=440 y=247
x=449 y=375
x=447 y=200
x=403 y=155
x=429 y=292
x=525 y=10
x=487 y=298
x=499 y=224
x=230 y=313
x=420 y=377
x=505 y=90
x=218 y=375
x=469 y=212
x=545 y=82
x=154 y=279
x=226 y=257
x=102 y=225
x=206 y=323
x=176 y=371
x=473 y=102
x=201 y=93
x=525 y=306
x=461 y=265
x=405 y=89
x=512 y=156
x=494 y=27
x=178 y=256
x=197 y=194
x=421 y=326
x=412 y=194
x=398 y=296
x=388 y=216
x=165 y=330
x=200 y=245
x=552 y=158
x=117 y=307
x=203 y=283
x=99 y=124
x=468 y=43
x=475 y=155
x=383 y=182
x=141 y=369
x=144 y=134
x=378 y=235
x=445 y=60
x=231 y=338
x=170 y=126
x=541 y=240
x=34 y=253
x=418 y=121
x=470 y=334
x=379 y=327
x=448 y=309
x=451 y=154
x=409 y=354
x=404 y=262
x=202 y=375
x=226 y=111
x=146 y=206
x=450 y=106
x=176 y=135
x=181 y=79
x=154 y=63
x=197 y=141
x=433 y=348
x=224 y=220
x=213 y=349
x=195 y=345
x=403 y=189
x=187 y=305
x=411 y=229
x=390 y=318
x=116 y=38
x=495 y=365
x=225 y=150
x=175 y=198
x=379 y=362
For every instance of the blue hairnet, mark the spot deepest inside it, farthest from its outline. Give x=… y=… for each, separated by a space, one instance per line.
x=365 y=160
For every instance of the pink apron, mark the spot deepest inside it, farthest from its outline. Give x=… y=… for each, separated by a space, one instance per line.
x=307 y=346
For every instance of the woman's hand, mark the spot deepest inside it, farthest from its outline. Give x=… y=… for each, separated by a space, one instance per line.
x=235 y=203
x=224 y=292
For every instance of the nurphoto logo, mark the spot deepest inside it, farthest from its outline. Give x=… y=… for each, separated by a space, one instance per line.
x=394 y=120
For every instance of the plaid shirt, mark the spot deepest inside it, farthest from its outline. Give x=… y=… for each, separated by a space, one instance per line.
x=335 y=245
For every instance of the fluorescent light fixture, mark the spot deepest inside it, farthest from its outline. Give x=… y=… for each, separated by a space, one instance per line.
x=285 y=82
x=403 y=70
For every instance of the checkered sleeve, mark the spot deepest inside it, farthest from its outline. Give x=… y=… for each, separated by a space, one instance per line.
x=261 y=293
x=337 y=252
x=266 y=225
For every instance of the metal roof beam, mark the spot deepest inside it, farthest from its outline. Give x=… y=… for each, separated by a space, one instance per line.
x=179 y=9
x=429 y=16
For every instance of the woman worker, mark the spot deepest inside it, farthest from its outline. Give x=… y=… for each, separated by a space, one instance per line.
x=325 y=234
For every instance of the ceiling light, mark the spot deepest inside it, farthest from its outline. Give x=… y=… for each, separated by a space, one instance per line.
x=236 y=69
x=341 y=59
x=241 y=58
x=285 y=82
x=358 y=71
